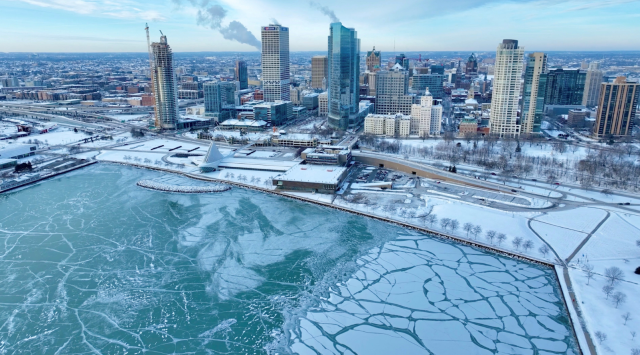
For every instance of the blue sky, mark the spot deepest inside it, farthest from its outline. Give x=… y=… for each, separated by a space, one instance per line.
x=414 y=25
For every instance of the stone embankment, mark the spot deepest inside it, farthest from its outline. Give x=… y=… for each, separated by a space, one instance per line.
x=154 y=185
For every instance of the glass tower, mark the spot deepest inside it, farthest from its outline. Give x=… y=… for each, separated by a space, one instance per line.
x=164 y=84
x=344 y=75
x=532 y=110
x=241 y=74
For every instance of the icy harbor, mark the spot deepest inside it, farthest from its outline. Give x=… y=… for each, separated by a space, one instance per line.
x=93 y=264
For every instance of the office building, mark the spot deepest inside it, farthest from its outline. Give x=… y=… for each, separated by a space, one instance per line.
x=403 y=61
x=373 y=60
x=616 y=108
x=275 y=63
x=164 y=84
x=344 y=76
x=594 y=78
x=437 y=69
x=323 y=104
x=391 y=91
x=9 y=82
x=506 y=89
x=426 y=118
x=532 y=111
x=241 y=74
x=433 y=82
x=563 y=86
x=217 y=95
x=319 y=75
x=471 y=68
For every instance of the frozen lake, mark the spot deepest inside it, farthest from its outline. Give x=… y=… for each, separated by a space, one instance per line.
x=91 y=263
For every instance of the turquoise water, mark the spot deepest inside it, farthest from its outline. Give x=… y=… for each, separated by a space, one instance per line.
x=91 y=263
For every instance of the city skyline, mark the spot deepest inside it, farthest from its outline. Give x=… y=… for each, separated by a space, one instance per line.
x=194 y=26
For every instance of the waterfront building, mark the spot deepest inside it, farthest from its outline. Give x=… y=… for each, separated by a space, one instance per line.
x=276 y=76
x=594 y=78
x=319 y=65
x=164 y=84
x=426 y=117
x=344 y=75
x=532 y=110
x=241 y=74
x=506 y=89
x=373 y=60
x=616 y=108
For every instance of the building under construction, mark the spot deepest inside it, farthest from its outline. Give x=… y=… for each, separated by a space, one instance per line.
x=164 y=84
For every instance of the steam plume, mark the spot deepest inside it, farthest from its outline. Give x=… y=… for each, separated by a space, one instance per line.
x=325 y=10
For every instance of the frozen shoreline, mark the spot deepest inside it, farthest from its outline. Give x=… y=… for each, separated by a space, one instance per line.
x=148 y=184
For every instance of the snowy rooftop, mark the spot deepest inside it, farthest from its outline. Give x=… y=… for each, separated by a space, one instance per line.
x=257 y=164
x=313 y=173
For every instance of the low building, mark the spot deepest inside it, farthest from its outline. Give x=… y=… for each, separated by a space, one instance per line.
x=248 y=125
x=327 y=155
x=8 y=163
x=297 y=140
x=196 y=110
x=312 y=178
x=468 y=126
x=17 y=151
x=576 y=118
x=397 y=125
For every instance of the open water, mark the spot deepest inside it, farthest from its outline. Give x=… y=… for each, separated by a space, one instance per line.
x=91 y=263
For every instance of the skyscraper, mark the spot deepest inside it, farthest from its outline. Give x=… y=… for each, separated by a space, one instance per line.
x=433 y=82
x=373 y=60
x=563 y=86
x=532 y=110
x=506 y=89
x=242 y=75
x=344 y=75
x=403 y=61
x=391 y=92
x=471 y=68
x=164 y=84
x=592 y=85
x=275 y=63
x=319 y=73
x=616 y=108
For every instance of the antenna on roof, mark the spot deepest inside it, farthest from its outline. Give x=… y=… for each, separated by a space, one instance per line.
x=162 y=34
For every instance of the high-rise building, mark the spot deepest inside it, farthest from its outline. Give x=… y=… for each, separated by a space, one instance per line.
x=595 y=77
x=563 y=86
x=471 y=68
x=506 y=89
x=616 y=108
x=437 y=69
x=319 y=65
x=426 y=117
x=433 y=82
x=403 y=61
x=164 y=84
x=373 y=60
x=391 y=91
x=323 y=104
x=344 y=75
x=218 y=94
x=532 y=111
x=241 y=74
x=275 y=63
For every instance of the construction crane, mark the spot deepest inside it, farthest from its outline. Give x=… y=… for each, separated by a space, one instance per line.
x=151 y=71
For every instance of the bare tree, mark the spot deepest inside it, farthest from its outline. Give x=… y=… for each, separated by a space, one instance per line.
x=476 y=231
x=468 y=227
x=491 y=235
x=454 y=225
x=517 y=241
x=431 y=219
x=613 y=274
x=544 y=250
x=501 y=238
x=600 y=336
x=618 y=298
x=607 y=290
x=626 y=317
x=527 y=245
x=588 y=270
x=445 y=222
